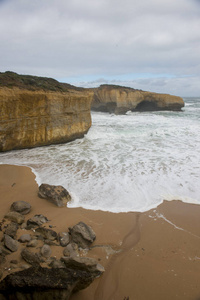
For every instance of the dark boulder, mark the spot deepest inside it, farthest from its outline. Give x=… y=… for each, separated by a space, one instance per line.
x=58 y=195
x=30 y=257
x=33 y=243
x=82 y=234
x=11 y=230
x=15 y=217
x=71 y=250
x=56 y=263
x=36 y=221
x=21 y=207
x=24 y=238
x=64 y=239
x=48 y=234
x=46 y=251
x=10 y=243
x=43 y=283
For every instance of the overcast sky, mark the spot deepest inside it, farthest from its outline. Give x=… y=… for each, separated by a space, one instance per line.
x=147 y=44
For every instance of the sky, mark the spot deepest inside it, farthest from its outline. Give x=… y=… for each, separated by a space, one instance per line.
x=153 y=45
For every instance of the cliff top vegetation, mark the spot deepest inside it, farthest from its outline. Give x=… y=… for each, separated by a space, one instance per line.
x=10 y=79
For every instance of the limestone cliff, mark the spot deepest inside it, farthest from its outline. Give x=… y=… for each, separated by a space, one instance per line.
x=38 y=117
x=119 y=100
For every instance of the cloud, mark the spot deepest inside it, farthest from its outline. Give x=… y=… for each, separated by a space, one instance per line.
x=108 y=38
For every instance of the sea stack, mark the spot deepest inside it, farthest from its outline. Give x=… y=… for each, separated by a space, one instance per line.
x=117 y=99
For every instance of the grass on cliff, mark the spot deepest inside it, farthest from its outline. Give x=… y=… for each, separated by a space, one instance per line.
x=33 y=83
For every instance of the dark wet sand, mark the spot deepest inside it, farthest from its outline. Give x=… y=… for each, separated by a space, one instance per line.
x=152 y=255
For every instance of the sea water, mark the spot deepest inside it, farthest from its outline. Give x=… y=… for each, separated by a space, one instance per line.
x=126 y=162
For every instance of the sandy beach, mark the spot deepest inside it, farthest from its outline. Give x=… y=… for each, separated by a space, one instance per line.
x=151 y=255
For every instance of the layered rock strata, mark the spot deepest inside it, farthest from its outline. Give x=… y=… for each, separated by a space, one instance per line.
x=119 y=100
x=31 y=118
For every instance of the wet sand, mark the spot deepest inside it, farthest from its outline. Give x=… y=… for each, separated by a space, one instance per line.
x=151 y=255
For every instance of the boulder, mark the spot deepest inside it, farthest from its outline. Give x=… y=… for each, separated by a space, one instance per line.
x=24 y=238
x=83 y=263
x=2 y=259
x=15 y=217
x=56 y=263
x=3 y=250
x=36 y=221
x=64 y=239
x=32 y=243
x=10 y=243
x=48 y=234
x=46 y=251
x=58 y=195
x=29 y=257
x=21 y=207
x=82 y=234
x=71 y=250
x=44 y=283
x=11 y=230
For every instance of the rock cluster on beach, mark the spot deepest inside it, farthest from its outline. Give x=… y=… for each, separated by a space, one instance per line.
x=35 y=272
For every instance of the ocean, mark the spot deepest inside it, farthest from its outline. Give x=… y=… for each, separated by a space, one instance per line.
x=126 y=162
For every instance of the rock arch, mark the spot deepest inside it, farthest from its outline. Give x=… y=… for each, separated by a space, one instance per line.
x=147 y=106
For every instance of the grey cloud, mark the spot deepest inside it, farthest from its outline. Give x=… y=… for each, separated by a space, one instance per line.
x=65 y=39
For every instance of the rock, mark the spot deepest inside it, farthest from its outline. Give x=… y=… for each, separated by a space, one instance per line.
x=32 y=118
x=36 y=221
x=24 y=238
x=46 y=251
x=24 y=266
x=58 y=195
x=51 y=243
x=1 y=273
x=82 y=234
x=71 y=250
x=23 y=225
x=15 y=217
x=48 y=234
x=4 y=251
x=11 y=230
x=32 y=243
x=21 y=207
x=64 y=239
x=10 y=243
x=29 y=257
x=44 y=283
x=83 y=263
x=119 y=100
x=2 y=259
x=57 y=264
x=14 y=262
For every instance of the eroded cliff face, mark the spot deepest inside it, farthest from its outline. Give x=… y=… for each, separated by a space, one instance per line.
x=36 y=118
x=119 y=100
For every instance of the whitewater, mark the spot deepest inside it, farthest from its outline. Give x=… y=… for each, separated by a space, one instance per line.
x=126 y=162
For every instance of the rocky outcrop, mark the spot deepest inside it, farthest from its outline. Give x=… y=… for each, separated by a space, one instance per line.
x=119 y=100
x=37 y=118
x=44 y=283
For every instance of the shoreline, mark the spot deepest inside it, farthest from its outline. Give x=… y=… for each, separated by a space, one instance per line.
x=149 y=255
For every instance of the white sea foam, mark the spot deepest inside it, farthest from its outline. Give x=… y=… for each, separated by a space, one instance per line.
x=125 y=163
